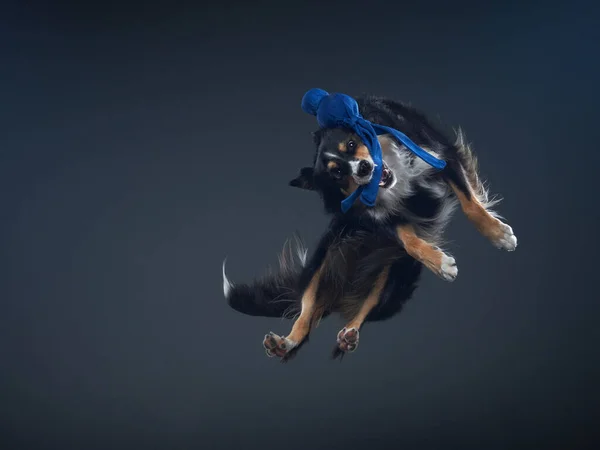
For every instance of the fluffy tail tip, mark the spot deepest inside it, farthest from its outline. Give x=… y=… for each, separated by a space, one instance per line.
x=227 y=285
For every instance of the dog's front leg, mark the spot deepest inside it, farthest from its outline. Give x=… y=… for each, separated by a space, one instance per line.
x=432 y=257
x=499 y=233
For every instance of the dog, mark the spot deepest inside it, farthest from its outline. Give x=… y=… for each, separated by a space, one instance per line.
x=369 y=261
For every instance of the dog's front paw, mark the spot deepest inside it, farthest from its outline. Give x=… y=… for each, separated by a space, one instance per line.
x=448 y=268
x=505 y=237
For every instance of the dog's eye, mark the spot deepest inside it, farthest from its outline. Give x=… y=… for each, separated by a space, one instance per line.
x=351 y=145
x=336 y=173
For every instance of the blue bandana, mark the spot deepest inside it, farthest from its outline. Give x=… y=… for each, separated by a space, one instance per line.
x=340 y=110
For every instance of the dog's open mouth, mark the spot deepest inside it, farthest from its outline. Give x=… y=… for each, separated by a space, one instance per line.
x=387 y=177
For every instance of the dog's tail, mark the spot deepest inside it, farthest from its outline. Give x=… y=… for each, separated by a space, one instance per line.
x=275 y=294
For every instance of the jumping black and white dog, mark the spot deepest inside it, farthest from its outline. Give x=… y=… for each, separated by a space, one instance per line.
x=368 y=262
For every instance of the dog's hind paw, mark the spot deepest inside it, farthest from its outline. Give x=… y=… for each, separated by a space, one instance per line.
x=347 y=339
x=277 y=345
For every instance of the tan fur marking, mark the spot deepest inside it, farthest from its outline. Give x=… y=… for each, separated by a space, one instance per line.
x=342 y=147
x=362 y=152
x=419 y=249
x=486 y=224
x=371 y=301
x=331 y=165
x=317 y=316
x=302 y=324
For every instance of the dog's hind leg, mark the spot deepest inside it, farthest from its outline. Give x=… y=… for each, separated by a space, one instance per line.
x=284 y=347
x=462 y=176
x=432 y=257
x=347 y=338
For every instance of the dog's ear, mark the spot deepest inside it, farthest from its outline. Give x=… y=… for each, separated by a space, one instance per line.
x=305 y=180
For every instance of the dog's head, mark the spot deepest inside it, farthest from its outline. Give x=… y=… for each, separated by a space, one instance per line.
x=342 y=163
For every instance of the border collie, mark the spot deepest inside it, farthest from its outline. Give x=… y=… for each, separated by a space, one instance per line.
x=369 y=260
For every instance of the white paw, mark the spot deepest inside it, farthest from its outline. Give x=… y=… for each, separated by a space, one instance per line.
x=449 y=269
x=507 y=240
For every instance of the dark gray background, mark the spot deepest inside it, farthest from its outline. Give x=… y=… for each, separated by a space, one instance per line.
x=140 y=145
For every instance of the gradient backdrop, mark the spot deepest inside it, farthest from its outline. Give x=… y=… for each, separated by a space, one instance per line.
x=141 y=144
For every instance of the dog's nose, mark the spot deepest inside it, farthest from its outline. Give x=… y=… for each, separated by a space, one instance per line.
x=364 y=168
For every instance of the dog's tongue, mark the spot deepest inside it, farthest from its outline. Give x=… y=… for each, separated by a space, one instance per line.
x=384 y=177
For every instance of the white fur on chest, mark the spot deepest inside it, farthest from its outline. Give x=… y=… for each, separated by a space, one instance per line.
x=409 y=172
